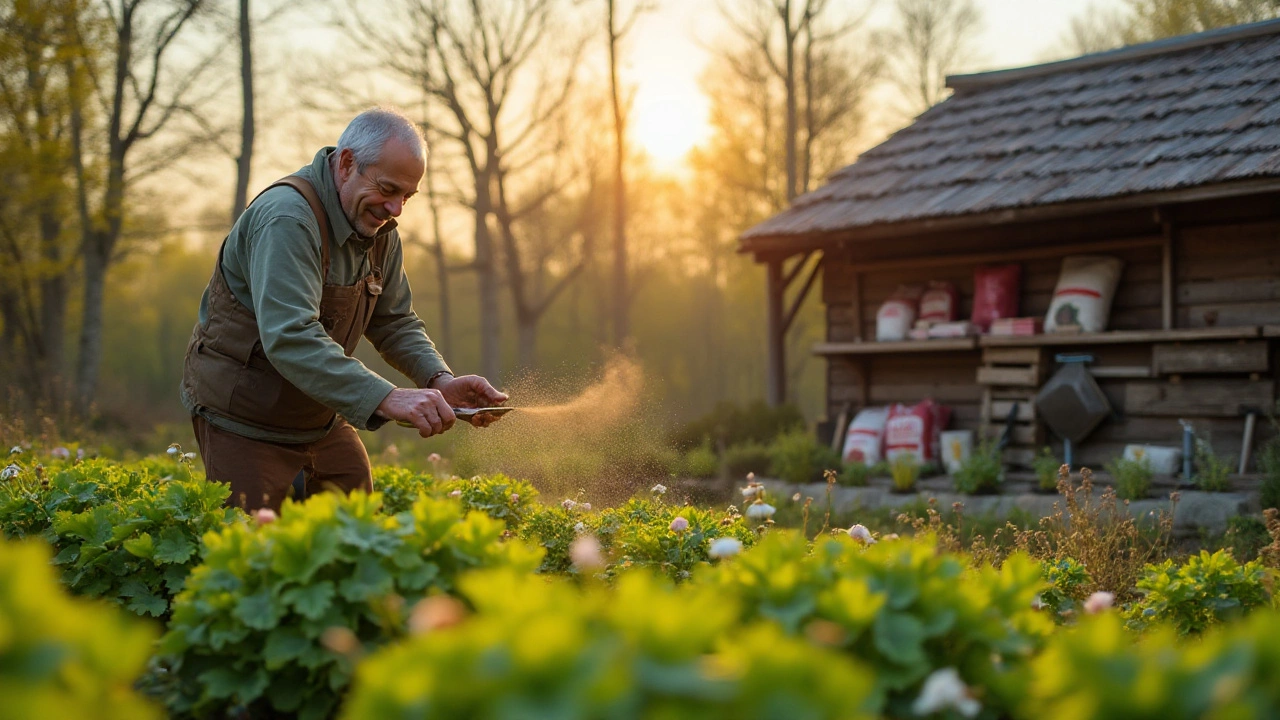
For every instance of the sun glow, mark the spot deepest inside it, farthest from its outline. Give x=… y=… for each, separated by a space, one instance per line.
x=668 y=121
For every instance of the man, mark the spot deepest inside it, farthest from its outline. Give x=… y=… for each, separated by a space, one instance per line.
x=313 y=264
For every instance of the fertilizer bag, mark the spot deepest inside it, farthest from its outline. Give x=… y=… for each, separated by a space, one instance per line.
x=866 y=432
x=898 y=314
x=915 y=430
x=995 y=293
x=1084 y=293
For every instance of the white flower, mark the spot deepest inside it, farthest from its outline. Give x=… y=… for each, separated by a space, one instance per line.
x=60 y=452
x=265 y=516
x=658 y=489
x=1037 y=603
x=10 y=471
x=760 y=511
x=15 y=450
x=568 y=504
x=455 y=494
x=679 y=524
x=724 y=547
x=580 y=528
x=586 y=507
x=174 y=449
x=861 y=534
x=795 y=498
x=945 y=690
x=751 y=477
x=585 y=553
x=80 y=454
x=189 y=456
x=1098 y=602
x=752 y=490
x=433 y=458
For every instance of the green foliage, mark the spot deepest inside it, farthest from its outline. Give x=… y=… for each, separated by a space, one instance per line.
x=748 y=457
x=642 y=649
x=1068 y=583
x=247 y=630
x=905 y=470
x=796 y=457
x=125 y=535
x=854 y=474
x=1046 y=466
x=1269 y=464
x=1097 y=670
x=1132 y=477
x=902 y=606
x=700 y=462
x=62 y=657
x=1207 y=590
x=1212 y=472
x=981 y=472
x=1245 y=537
x=730 y=424
x=639 y=534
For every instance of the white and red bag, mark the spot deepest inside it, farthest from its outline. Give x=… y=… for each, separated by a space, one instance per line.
x=1084 y=293
x=866 y=434
x=915 y=430
x=996 y=290
x=897 y=315
x=940 y=303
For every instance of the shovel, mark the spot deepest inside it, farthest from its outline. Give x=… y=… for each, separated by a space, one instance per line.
x=467 y=414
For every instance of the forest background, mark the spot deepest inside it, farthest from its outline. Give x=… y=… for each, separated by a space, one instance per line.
x=592 y=163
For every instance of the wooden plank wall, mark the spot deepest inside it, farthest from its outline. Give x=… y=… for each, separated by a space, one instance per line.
x=1226 y=273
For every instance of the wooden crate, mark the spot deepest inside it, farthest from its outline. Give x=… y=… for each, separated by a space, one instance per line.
x=1011 y=377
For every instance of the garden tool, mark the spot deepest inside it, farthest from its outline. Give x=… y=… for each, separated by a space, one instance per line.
x=467 y=414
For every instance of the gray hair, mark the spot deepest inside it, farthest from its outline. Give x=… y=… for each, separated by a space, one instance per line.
x=370 y=130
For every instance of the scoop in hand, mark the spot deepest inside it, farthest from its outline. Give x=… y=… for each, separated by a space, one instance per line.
x=467 y=414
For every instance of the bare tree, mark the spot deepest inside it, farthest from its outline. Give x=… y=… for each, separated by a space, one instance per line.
x=931 y=38
x=145 y=88
x=617 y=30
x=244 y=161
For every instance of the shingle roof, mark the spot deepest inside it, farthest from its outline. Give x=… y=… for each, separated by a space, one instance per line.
x=1198 y=110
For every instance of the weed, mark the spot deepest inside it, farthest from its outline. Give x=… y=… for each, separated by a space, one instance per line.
x=748 y=457
x=1132 y=477
x=1211 y=470
x=1269 y=463
x=854 y=474
x=1046 y=466
x=701 y=462
x=905 y=470
x=797 y=458
x=981 y=472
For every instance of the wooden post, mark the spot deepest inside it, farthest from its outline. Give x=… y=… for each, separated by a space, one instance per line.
x=1167 y=249
x=776 y=371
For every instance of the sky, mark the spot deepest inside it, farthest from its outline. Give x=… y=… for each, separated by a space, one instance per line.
x=666 y=54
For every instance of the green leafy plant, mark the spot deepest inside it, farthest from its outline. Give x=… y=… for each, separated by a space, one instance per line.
x=905 y=470
x=1099 y=670
x=981 y=472
x=1212 y=472
x=1132 y=477
x=1046 y=466
x=1269 y=464
x=642 y=649
x=642 y=533
x=62 y=657
x=1068 y=587
x=854 y=474
x=249 y=630
x=1206 y=590
x=747 y=457
x=730 y=424
x=796 y=457
x=902 y=606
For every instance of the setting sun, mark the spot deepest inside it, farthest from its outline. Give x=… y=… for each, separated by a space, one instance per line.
x=668 y=122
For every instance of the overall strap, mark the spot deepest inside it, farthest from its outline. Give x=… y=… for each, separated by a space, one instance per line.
x=308 y=192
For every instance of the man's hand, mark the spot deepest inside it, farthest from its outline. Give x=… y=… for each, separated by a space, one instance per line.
x=426 y=408
x=472 y=391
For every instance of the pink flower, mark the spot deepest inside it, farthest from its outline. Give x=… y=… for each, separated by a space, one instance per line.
x=60 y=453
x=455 y=494
x=585 y=506
x=433 y=458
x=1099 y=602
x=265 y=516
x=679 y=524
x=515 y=498
x=585 y=553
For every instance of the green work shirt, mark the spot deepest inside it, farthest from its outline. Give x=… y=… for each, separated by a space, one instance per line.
x=271 y=263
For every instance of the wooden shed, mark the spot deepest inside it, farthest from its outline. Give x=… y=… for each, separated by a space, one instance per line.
x=1165 y=155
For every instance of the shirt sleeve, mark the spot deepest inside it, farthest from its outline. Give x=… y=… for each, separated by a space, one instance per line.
x=286 y=287
x=396 y=331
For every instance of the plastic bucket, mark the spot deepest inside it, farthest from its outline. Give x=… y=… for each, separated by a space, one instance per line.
x=957 y=445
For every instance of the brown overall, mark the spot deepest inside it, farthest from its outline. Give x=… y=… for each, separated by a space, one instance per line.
x=227 y=372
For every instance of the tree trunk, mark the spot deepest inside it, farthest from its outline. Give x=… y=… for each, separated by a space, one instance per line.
x=437 y=250
x=53 y=310
x=526 y=342
x=789 y=35
x=245 y=160
x=487 y=282
x=621 y=296
x=95 y=276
